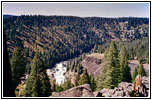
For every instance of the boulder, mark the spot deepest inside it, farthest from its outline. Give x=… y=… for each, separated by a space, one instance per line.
x=97 y=94
x=107 y=92
x=119 y=94
x=140 y=84
x=79 y=91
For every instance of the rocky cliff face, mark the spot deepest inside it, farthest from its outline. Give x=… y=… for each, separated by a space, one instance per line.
x=79 y=91
x=92 y=63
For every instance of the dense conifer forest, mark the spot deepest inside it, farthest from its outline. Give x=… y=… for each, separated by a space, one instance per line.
x=37 y=42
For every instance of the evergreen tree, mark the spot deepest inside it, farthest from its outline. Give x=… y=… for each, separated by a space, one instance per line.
x=46 y=87
x=135 y=73
x=17 y=66
x=92 y=83
x=79 y=69
x=100 y=81
x=106 y=52
x=99 y=49
x=36 y=88
x=95 y=49
x=141 y=70
x=67 y=85
x=76 y=80
x=124 y=69
x=32 y=82
x=84 y=79
x=58 y=88
x=53 y=85
x=113 y=68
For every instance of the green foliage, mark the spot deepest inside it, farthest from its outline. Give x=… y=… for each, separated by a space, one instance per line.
x=106 y=52
x=67 y=85
x=99 y=49
x=84 y=79
x=76 y=80
x=141 y=70
x=113 y=76
x=63 y=37
x=138 y=70
x=58 y=88
x=100 y=81
x=46 y=87
x=53 y=85
x=17 y=66
x=135 y=73
x=92 y=82
x=95 y=49
x=124 y=69
x=133 y=93
x=35 y=85
x=36 y=88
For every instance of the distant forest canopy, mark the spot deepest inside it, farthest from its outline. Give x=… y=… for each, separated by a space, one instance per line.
x=59 y=38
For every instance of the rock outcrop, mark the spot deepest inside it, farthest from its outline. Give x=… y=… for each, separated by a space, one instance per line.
x=92 y=63
x=141 y=85
x=79 y=91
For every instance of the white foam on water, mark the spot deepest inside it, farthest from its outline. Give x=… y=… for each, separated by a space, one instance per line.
x=59 y=71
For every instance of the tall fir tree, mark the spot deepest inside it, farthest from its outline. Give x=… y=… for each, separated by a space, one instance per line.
x=124 y=69
x=18 y=64
x=113 y=76
x=34 y=87
x=84 y=79
x=92 y=82
x=46 y=87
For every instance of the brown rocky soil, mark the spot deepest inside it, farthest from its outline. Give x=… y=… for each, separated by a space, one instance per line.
x=92 y=63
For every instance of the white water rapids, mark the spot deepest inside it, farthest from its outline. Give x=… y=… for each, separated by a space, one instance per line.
x=58 y=72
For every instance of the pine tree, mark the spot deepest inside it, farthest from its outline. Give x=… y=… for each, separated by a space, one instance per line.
x=67 y=85
x=106 y=52
x=135 y=73
x=79 y=69
x=36 y=88
x=58 y=88
x=17 y=66
x=84 y=79
x=37 y=66
x=141 y=70
x=76 y=80
x=100 y=81
x=92 y=83
x=46 y=87
x=53 y=85
x=113 y=68
x=95 y=49
x=99 y=49
x=124 y=69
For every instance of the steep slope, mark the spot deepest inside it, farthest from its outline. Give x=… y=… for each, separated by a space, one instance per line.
x=63 y=37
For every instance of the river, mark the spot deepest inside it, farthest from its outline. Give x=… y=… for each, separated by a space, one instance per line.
x=58 y=72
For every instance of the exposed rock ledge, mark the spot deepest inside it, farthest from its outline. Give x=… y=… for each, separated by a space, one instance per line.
x=79 y=91
x=141 y=84
x=123 y=89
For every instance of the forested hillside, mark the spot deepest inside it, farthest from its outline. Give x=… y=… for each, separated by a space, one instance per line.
x=62 y=37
